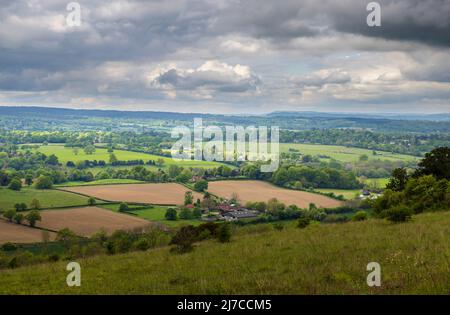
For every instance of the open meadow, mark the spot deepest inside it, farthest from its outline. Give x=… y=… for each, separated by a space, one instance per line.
x=342 y=153
x=160 y=193
x=65 y=154
x=48 y=198
x=254 y=190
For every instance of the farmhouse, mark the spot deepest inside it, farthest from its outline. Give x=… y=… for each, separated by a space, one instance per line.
x=238 y=214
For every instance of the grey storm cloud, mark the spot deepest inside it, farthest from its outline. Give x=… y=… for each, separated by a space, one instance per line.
x=233 y=53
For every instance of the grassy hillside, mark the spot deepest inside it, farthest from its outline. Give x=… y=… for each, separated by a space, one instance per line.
x=329 y=259
x=47 y=198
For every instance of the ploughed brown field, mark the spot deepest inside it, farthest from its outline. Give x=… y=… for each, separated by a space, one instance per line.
x=254 y=190
x=15 y=233
x=89 y=220
x=163 y=194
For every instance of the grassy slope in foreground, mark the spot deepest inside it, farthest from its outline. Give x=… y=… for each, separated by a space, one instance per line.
x=320 y=259
x=48 y=198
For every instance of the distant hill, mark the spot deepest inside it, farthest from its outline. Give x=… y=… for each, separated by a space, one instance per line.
x=30 y=117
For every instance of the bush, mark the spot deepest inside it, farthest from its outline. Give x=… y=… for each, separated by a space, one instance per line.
x=18 y=218
x=32 y=217
x=224 y=233
x=43 y=182
x=302 y=223
x=35 y=204
x=360 y=216
x=91 y=201
x=123 y=207
x=335 y=218
x=184 y=239
x=20 y=206
x=8 y=247
x=9 y=214
x=185 y=214
x=201 y=185
x=15 y=184
x=398 y=214
x=278 y=226
x=171 y=214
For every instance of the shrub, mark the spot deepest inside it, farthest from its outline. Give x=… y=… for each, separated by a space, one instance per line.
x=35 y=204
x=9 y=214
x=15 y=184
x=123 y=207
x=201 y=185
x=224 y=233
x=398 y=214
x=171 y=214
x=18 y=218
x=185 y=214
x=91 y=201
x=8 y=247
x=20 y=206
x=184 y=239
x=43 y=182
x=360 y=216
x=335 y=218
x=141 y=244
x=32 y=217
x=278 y=226
x=302 y=223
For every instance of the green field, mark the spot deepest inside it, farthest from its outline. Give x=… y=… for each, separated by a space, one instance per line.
x=65 y=154
x=343 y=154
x=321 y=259
x=156 y=214
x=100 y=182
x=347 y=193
x=376 y=182
x=47 y=198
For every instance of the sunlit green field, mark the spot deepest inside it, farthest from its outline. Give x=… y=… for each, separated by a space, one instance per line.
x=320 y=259
x=376 y=182
x=343 y=154
x=111 y=181
x=347 y=193
x=47 y=198
x=65 y=154
x=156 y=214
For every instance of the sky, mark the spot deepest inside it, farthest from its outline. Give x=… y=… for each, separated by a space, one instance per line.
x=226 y=57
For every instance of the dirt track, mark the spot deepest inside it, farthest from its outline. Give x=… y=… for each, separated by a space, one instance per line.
x=253 y=190
x=164 y=193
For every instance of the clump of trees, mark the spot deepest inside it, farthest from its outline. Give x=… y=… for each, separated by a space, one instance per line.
x=427 y=189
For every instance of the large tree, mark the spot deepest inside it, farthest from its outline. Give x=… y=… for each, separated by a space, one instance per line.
x=436 y=163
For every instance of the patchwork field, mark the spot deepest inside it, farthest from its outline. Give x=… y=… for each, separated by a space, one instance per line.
x=163 y=194
x=15 y=233
x=47 y=198
x=89 y=220
x=155 y=214
x=65 y=154
x=112 y=181
x=347 y=193
x=342 y=153
x=253 y=190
